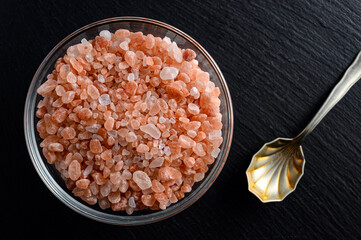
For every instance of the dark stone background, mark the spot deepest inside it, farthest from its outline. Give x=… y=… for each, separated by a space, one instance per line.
x=281 y=59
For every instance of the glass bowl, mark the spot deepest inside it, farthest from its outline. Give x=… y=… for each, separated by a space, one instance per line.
x=50 y=175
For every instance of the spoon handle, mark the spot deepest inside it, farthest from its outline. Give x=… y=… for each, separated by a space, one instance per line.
x=351 y=76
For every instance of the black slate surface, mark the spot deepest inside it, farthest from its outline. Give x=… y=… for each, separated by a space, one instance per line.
x=280 y=59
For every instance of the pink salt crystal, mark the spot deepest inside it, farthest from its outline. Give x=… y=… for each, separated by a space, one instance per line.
x=131 y=137
x=101 y=78
x=193 y=109
x=148 y=200
x=47 y=87
x=59 y=115
x=93 y=92
x=168 y=73
x=68 y=97
x=149 y=41
x=55 y=147
x=175 y=52
x=84 y=48
x=157 y=162
x=74 y=170
x=142 y=180
x=95 y=146
x=122 y=33
x=109 y=124
x=68 y=133
x=185 y=141
x=192 y=133
x=130 y=58
x=82 y=183
x=198 y=149
x=151 y=130
x=142 y=148
x=64 y=70
x=198 y=177
x=157 y=186
x=114 y=197
x=105 y=189
x=189 y=162
x=169 y=173
x=60 y=90
x=110 y=57
x=71 y=78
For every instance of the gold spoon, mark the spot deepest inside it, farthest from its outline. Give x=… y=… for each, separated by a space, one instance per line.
x=278 y=166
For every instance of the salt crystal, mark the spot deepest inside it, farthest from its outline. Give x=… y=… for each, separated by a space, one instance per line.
x=124 y=46
x=142 y=180
x=167 y=151
x=158 y=162
x=194 y=93
x=192 y=133
x=84 y=40
x=131 y=202
x=104 y=99
x=215 y=134
x=106 y=34
x=168 y=73
x=89 y=58
x=125 y=152
x=101 y=78
x=93 y=128
x=152 y=130
x=215 y=152
x=131 y=77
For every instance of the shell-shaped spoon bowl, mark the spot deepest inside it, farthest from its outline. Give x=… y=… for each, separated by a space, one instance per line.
x=276 y=169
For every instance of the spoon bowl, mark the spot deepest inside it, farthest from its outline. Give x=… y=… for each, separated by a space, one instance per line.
x=276 y=169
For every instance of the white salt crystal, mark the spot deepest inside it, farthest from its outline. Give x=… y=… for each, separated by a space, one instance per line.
x=215 y=152
x=131 y=202
x=101 y=78
x=215 y=134
x=125 y=152
x=131 y=77
x=194 y=93
x=84 y=40
x=162 y=120
x=104 y=99
x=124 y=46
x=168 y=73
x=93 y=128
x=167 y=151
x=106 y=34
x=89 y=58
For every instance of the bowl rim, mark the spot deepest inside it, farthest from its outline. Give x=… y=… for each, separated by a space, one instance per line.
x=82 y=208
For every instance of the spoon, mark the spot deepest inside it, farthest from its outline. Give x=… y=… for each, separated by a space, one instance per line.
x=278 y=166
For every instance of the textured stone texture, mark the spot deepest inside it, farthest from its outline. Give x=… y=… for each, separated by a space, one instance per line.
x=280 y=59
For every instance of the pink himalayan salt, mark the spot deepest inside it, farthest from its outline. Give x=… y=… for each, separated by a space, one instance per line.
x=193 y=109
x=168 y=73
x=151 y=130
x=185 y=141
x=169 y=173
x=142 y=180
x=74 y=170
x=152 y=93
x=142 y=148
x=47 y=87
